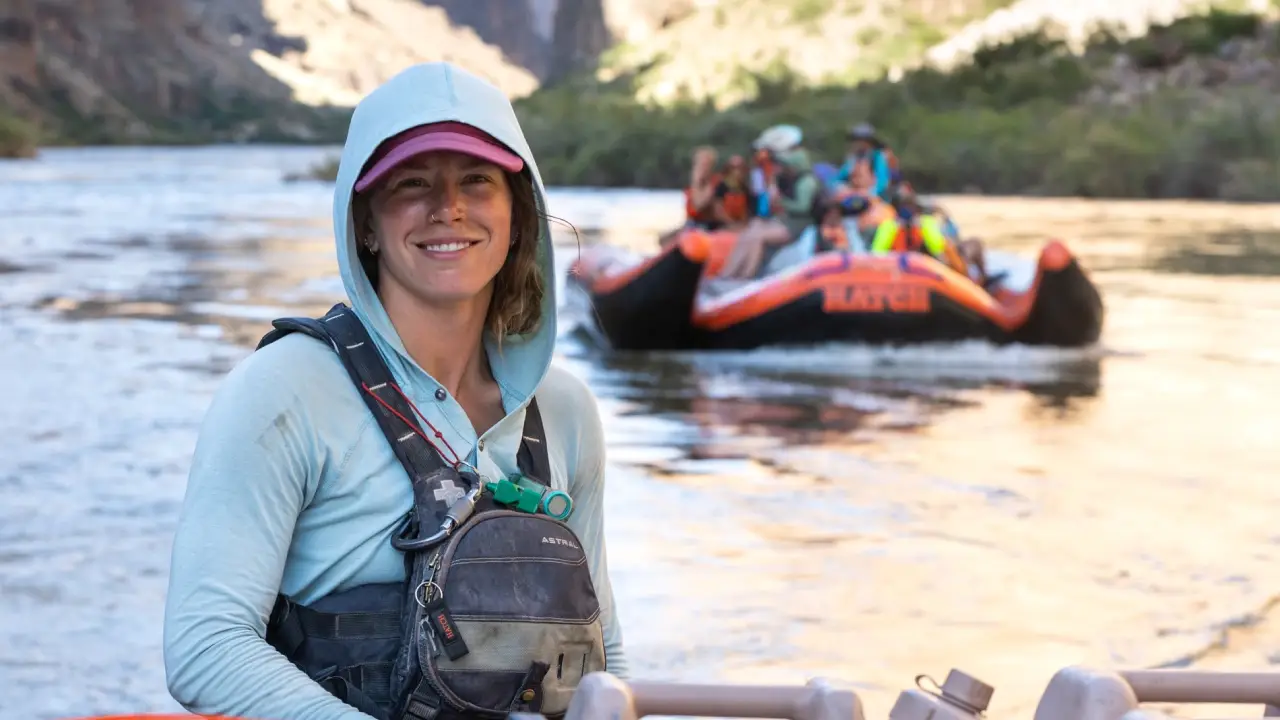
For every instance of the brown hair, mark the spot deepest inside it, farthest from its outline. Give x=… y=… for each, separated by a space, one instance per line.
x=519 y=287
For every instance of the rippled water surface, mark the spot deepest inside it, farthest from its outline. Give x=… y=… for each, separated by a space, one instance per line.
x=860 y=514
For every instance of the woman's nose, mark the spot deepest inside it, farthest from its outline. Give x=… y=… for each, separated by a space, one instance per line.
x=448 y=197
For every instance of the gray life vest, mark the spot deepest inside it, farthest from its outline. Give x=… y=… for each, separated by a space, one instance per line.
x=498 y=613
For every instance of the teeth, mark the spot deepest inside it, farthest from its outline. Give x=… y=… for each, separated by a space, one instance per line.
x=447 y=247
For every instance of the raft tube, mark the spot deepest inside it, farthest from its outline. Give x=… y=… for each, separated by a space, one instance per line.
x=656 y=303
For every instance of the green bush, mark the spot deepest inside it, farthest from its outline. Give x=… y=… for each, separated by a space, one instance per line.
x=1010 y=122
x=18 y=138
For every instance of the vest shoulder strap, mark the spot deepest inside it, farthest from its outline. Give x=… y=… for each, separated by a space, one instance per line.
x=342 y=331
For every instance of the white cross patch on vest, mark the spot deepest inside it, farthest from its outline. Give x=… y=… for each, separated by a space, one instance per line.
x=448 y=493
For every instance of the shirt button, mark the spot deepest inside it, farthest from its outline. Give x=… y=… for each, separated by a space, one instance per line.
x=440 y=394
x=481 y=445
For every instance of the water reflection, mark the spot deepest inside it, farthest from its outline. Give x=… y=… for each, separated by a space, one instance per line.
x=755 y=399
x=1238 y=251
x=232 y=287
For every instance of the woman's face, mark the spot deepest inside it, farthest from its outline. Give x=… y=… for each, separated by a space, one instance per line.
x=441 y=223
x=736 y=168
x=861 y=179
x=704 y=162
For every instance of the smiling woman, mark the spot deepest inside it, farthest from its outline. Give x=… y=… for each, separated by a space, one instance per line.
x=436 y=192
x=395 y=511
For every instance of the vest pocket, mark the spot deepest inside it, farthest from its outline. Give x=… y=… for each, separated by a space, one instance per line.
x=485 y=688
x=502 y=652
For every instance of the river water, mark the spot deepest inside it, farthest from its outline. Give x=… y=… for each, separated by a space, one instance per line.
x=859 y=514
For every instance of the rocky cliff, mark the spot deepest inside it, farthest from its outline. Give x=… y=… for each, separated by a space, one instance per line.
x=198 y=70
x=147 y=70
x=555 y=38
x=119 y=68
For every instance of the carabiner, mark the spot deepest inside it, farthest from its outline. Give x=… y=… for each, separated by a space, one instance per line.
x=458 y=514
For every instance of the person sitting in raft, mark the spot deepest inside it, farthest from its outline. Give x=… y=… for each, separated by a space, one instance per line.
x=793 y=200
x=864 y=144
x=931 y=223
x=329 y=457
x=763 y=181
x=734 y=202
x=860 y=199
x=831 y=230
x=699 y=196
x=915 y=231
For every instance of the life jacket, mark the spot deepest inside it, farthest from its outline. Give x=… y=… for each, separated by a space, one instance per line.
x=705 y=215
x=736 y=202
x=498 y=613
x=908 y=236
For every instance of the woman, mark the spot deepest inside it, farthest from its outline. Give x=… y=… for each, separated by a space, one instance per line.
x=864 y=144
x=798 y=190
x=734 y=203
x=876 y=218
x=301 y=482
x=699 y=196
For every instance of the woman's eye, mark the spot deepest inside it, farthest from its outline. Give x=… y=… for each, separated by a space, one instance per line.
x=411 y=182
x=478 y=178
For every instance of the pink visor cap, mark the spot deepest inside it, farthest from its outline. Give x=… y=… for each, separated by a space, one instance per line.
x=454 y=136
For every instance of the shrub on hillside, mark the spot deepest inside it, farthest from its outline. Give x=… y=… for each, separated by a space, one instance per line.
x=18 y=138
x=1009 y=122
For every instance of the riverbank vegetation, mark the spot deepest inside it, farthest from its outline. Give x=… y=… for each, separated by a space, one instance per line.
x=18 y=139
x=1190 y=110
x=213 y=119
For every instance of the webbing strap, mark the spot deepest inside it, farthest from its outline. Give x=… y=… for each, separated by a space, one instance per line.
x=345 y=690
x=347 y=625
x=423 y=703
x=343 y=331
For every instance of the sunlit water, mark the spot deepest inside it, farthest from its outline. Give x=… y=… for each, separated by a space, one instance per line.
x=861 y=514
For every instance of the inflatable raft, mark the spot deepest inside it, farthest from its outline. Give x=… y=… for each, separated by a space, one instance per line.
x=665 y=302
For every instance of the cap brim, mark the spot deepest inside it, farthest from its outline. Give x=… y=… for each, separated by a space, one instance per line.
x=437 y=142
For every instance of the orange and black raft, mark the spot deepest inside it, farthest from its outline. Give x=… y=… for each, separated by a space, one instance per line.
x=894 y=299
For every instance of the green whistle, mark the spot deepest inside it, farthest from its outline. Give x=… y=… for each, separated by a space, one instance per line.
x=522 y=494
x=552 y=503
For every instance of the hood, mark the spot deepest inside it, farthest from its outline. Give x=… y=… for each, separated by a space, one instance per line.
x=429 y=93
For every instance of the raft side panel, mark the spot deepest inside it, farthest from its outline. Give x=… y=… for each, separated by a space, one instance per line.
x=651 y=311
x=804 y=322
x=1067 y=310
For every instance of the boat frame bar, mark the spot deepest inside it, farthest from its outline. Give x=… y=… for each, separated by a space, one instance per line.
x=1074 y=693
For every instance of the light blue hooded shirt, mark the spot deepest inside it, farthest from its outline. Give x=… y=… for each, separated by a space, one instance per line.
x=293 y=487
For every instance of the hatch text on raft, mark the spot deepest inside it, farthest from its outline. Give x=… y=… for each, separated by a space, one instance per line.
x=875 y=298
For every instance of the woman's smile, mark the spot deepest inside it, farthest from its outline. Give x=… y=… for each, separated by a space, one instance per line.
x=445 y=248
